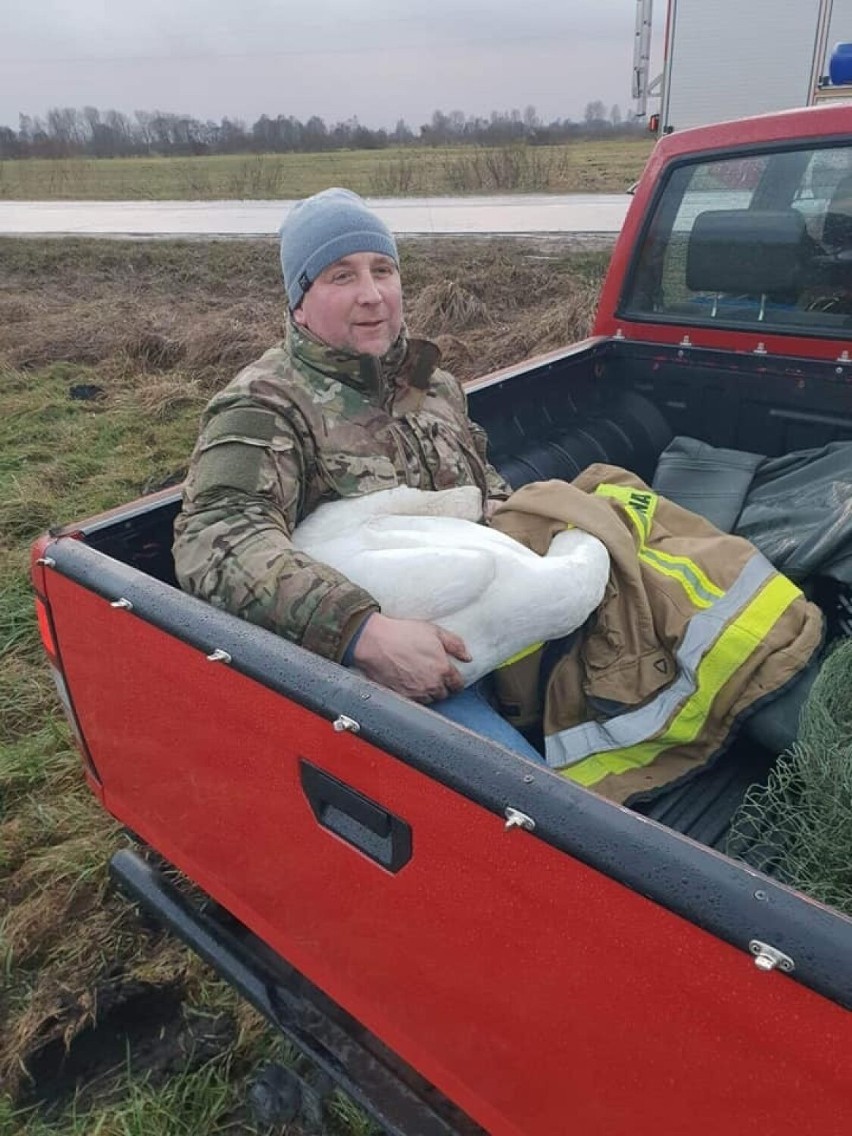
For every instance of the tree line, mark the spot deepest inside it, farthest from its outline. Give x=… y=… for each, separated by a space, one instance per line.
x=66 y=132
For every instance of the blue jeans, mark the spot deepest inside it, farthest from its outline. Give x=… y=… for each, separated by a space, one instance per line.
x=471 y=708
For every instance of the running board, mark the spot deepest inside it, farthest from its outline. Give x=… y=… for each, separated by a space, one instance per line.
x=392 y=1094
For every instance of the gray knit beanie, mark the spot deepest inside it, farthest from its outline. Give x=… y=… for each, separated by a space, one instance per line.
x=322 y=229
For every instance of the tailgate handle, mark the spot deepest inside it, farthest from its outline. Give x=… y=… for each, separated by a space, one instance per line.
x=369 y=827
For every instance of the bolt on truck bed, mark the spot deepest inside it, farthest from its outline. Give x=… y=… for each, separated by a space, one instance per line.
x=504 y=950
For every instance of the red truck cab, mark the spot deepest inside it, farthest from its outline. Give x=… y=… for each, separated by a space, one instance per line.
x=487 y=946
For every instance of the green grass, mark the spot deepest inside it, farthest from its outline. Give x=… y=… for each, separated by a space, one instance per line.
x=76 y=457
x=580 y=167
x=61 y=928
x=208 y=1101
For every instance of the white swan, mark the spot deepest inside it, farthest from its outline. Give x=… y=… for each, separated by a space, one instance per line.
x=423 y=555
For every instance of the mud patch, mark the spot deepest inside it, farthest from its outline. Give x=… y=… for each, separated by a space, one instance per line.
x=126 y=1026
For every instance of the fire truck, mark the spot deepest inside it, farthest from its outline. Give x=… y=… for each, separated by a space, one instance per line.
x=728 y=59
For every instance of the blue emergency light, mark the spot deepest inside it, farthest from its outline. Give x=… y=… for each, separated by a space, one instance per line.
x=840 y=65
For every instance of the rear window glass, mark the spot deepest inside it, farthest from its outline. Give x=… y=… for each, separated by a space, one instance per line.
x=763 y=241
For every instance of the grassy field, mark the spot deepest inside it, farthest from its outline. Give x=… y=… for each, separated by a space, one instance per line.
x=106 y=1026
x=581 y=167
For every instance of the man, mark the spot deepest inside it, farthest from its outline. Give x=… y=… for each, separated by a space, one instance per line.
x=347 y=405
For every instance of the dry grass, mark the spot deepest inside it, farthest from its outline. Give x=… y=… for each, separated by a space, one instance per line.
x=107 y=354
x=447 y=305
x=137 y=314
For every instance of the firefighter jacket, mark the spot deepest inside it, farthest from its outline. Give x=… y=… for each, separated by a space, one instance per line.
x=696 y=627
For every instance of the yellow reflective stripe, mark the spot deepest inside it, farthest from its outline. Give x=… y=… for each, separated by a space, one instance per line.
x=640 y=506
x=705 y=582
x=566 y=747
x=739 y=640
x=642 y=500
x=593 y=769
x=640 y=523
x=676 y=572
x=525 y=653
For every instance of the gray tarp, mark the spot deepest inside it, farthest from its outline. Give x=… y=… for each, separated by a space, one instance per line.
x=796 y=509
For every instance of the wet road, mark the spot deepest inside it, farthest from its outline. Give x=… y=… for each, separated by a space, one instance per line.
x=522 y=213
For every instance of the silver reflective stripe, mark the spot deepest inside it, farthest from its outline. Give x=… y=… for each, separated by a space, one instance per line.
x=579 y=742
x=678 y=566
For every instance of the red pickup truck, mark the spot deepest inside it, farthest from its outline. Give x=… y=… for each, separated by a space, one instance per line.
x=462 y=939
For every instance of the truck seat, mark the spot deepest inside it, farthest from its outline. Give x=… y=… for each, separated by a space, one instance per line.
x=837 y=227
x=748 y=258
x=831 y=275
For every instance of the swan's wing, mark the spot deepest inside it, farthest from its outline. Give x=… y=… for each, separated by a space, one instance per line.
x=569 y=583
x=421 y=583
x=463 y=502
x=333 y=518
x=576 y=543
x=448 y=532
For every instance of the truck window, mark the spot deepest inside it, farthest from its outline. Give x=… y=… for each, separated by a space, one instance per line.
x=762 y=241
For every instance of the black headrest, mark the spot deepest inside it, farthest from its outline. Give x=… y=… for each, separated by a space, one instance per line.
x=837 y=227
x=746 y=251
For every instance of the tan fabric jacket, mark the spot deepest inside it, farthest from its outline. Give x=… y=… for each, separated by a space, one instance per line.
x=695 y=627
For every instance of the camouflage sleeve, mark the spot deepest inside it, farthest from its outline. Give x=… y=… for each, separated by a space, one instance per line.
x=232 y=538
x=497 y=487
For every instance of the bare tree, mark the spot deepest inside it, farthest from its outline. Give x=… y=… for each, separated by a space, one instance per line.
x=102 y=134
x=595 y=113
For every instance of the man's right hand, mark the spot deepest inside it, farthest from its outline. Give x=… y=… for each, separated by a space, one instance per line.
x=411 y=657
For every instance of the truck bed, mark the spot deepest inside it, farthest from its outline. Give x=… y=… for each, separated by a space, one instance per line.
x=603 y=403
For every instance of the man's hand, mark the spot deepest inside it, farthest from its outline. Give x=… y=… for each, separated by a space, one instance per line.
x=411 y=657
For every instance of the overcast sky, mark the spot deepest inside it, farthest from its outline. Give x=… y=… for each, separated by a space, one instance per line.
x=377 y=59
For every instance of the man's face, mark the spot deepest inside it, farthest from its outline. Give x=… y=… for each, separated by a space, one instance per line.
x=355 y=304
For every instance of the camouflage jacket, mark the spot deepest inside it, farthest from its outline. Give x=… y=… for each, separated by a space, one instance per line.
x=305 y=424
